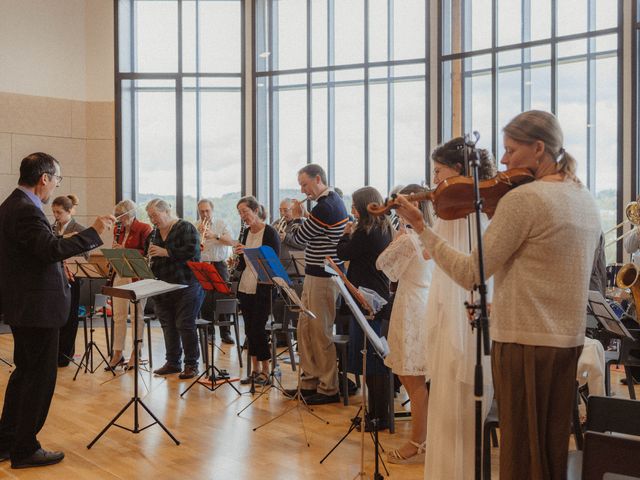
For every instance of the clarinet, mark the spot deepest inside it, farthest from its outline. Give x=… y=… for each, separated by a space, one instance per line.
x=152 y=238
x=234 y=260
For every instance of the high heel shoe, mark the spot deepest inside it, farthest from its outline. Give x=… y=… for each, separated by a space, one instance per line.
x=113 y=366
x=396 y=457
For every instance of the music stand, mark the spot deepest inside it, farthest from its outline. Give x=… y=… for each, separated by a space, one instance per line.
x=128 y=267
x=210 y=279
x=605 y=316
x=381 y=348
x=91 y=272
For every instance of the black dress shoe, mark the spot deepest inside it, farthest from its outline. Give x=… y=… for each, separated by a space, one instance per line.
x=167 y=369
x=39 y=458
x=306 y=392
x=189 y=371
x=322 y=399
x=227 y=339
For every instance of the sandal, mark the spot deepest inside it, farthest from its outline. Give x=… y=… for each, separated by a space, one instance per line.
x=396 y=457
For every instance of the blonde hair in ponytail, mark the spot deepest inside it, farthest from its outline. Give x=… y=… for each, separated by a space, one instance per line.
x=534 y=125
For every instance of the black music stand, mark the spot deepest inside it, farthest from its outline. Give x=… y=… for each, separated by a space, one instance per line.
x=210 y=279
x=605 y=316
x=381 y=348
x=134 y=292
x=91 y=272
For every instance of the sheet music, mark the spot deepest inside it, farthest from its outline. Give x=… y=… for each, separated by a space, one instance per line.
x=149 y=286
x=291 y=293
x=379 y=343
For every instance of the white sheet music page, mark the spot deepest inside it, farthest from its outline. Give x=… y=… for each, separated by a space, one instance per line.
x=149 y=287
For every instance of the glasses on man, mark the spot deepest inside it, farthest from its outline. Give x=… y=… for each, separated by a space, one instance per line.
x=57 y=177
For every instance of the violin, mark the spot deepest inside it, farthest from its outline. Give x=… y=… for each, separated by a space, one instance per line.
x=454 y=197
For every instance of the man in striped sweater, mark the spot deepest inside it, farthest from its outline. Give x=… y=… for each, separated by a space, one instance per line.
x=319 y=233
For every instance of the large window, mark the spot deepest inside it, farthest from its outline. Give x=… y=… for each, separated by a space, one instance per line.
x=341 y=83
x=179 y=80
x=501 y=57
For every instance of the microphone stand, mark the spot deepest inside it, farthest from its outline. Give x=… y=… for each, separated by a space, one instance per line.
x=478 y=311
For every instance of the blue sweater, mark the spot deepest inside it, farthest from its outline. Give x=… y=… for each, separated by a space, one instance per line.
x=321 y=232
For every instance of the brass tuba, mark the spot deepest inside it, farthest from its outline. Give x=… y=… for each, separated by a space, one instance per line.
x=628 y=277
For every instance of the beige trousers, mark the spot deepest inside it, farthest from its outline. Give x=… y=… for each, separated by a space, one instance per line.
x=315 y=336
x=121 y=309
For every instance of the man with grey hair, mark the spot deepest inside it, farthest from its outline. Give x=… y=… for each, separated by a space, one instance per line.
x=215 y=240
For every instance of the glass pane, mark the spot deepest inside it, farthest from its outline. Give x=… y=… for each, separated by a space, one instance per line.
x=477 y=100
x=605 y=129
x=220 y=36
x=378 y=30
x=156 y=36
x=606 y=14
x=291 y=144
x=572 y=16
x=221 y=146
x=510 y=88
x=290 y=37
x=155 y=140
x=349 y=32
x=509 y=22
x=540 y=19
x=190 y=97
x=572 y=106
x=409 y=29
x=349 y=138
x=466 y=25
x=409 y=132
x=451 y=99
x=319 y=120
x=378 y=136
x=319 y=34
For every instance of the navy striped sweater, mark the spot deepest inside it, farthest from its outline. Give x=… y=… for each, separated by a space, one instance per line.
x=321 y=232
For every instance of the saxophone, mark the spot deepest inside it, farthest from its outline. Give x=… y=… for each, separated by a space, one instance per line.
x=628 y=277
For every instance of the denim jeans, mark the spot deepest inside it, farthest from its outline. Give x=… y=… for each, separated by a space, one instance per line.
x=177 y=312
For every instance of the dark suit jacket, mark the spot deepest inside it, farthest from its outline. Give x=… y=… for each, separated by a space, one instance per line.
x=34 y=289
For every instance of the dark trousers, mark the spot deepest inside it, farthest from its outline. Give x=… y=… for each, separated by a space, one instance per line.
x=209 y=304
x=255 y=312
x=177 y=312
x=535 y=391
x=68 y=332
x=29 y=390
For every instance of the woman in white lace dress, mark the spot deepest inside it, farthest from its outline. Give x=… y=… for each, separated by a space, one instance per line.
x=450 y=350
x=403 y=262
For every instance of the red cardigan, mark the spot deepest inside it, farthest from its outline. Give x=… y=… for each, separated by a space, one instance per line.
x=138 y=233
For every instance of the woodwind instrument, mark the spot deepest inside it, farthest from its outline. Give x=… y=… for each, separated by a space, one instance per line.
x=357 y=294
x=118 y=233
x=152 y=237
x=234 y=260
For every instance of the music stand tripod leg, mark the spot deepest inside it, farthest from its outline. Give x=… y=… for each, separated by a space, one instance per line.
x=135 y=400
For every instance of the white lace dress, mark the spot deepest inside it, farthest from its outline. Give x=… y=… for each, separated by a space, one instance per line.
x=450 y=354
x=402 y=262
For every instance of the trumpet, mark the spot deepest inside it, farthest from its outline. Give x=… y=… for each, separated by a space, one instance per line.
x=632 y=212
x=203 y=228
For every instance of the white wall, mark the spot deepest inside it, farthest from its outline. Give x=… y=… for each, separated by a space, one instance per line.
x=57 y=48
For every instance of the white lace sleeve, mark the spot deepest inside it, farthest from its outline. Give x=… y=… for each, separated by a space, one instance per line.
x=395 y=259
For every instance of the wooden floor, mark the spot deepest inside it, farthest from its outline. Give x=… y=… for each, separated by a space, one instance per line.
x=215 y=443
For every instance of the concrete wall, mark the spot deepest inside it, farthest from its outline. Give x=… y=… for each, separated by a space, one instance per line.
x=57 y=95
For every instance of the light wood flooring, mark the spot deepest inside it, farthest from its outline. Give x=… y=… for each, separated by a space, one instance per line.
x=216 y=443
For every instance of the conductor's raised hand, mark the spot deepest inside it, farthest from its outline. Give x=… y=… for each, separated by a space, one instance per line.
x=410 y=213
x=104 y=223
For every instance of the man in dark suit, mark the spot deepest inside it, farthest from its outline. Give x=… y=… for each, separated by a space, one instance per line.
x=35 y=300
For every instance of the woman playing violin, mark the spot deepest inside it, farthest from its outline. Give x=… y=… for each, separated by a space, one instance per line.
x=550 y=226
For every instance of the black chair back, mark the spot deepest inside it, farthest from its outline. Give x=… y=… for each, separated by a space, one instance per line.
x=606 y=454
x=613 y=414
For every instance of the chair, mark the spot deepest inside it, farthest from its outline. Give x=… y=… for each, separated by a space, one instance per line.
x=605 y=414
x=610 y=454
x=630 y=357
x=228 y=309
